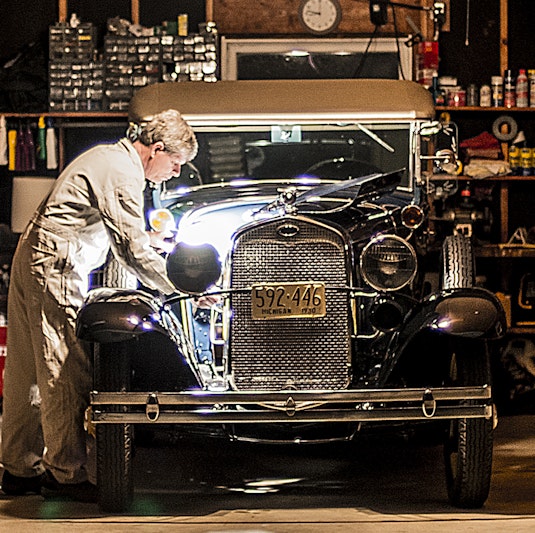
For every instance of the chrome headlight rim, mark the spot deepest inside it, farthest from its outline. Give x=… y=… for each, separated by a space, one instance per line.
x=370 y=277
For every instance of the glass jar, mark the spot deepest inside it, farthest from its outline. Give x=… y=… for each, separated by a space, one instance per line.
x=485 y=96
x=472 y=95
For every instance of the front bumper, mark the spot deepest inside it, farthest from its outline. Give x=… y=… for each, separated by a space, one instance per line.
x=362 y=405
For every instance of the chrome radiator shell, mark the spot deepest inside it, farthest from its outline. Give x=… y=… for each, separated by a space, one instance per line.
x=290 y=353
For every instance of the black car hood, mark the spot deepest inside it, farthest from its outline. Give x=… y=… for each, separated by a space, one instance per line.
x=307 y=188
x=212 y=214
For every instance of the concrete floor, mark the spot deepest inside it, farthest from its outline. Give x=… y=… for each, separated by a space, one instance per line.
x=382 y=485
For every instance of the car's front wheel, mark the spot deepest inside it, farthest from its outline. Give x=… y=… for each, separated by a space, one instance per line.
x=468 y=446
x=115 y=442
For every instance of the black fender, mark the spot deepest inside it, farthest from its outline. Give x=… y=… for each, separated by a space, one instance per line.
x=116 y=315
x=470 y=312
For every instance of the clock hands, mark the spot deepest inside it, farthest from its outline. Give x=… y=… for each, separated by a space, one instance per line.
x=320 y=16
x=319 y=5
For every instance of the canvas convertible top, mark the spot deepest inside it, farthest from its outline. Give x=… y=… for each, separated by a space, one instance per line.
x=276 y=101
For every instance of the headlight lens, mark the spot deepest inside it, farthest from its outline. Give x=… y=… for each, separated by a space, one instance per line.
x=193 y=269
x=388 y=263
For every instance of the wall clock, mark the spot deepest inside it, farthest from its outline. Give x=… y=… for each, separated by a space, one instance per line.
x=320 y=16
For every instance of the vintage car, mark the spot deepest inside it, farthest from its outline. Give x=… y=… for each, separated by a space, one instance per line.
x=313 y=301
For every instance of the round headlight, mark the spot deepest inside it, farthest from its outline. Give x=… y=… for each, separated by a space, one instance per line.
x=193 y=269
x=388 y=263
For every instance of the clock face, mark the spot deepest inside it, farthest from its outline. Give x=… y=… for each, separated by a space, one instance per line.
x=320 y=16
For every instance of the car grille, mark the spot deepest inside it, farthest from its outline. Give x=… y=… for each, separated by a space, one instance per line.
x=290 y=353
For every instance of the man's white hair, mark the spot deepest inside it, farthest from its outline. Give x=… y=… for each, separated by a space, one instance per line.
x=176 y=134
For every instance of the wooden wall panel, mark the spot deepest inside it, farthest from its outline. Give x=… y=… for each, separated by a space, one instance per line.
x=275 y=17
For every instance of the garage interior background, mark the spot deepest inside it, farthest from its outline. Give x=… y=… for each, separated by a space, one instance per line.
x=28 y=22
x=475 y=23
x=471 y=49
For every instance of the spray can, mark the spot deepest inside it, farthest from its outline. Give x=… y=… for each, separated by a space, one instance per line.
x=522 y=90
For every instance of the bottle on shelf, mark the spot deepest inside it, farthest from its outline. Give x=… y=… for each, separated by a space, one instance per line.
x=496 y=91
x=41 y=139
x=472 y=95
x=522 y=89
x=439 y=96
x=509 y=89
x=3 y=141
x=51 y=146
x=531 y=79
x=466 y=198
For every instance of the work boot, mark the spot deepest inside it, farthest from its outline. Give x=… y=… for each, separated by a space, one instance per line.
x=79 y=492
x=20 y=486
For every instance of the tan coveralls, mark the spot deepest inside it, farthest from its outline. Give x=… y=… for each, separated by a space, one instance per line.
x=96 y=202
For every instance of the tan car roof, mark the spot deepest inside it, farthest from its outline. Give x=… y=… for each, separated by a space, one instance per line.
x=276 y=101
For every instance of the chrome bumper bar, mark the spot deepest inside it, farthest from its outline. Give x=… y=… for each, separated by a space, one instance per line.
x=362 y=405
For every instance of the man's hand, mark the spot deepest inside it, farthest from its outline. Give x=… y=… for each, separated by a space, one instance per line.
x=159 y=241
x=206 y=301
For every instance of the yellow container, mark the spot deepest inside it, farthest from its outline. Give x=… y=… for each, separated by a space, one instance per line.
x=526 y=161
x=514 y=160
x=183 y=24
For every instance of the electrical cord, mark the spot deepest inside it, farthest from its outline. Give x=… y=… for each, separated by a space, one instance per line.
x=360 y=66
x=396 y=35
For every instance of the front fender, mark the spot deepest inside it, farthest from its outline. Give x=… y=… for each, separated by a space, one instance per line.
x=116 y=315
x=473 y=313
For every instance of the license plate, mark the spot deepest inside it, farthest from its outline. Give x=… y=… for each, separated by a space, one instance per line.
x=288 y=300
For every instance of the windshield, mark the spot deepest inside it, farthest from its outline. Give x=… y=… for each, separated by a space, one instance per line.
x=324 y=151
